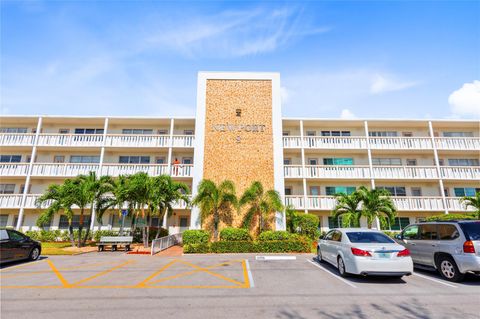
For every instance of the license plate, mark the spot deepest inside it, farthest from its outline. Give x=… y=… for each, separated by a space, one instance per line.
x=383 y=255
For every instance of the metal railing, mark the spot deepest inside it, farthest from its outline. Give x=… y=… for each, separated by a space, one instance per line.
x=165 y=242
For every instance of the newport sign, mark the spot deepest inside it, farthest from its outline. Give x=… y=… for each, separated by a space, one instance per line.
x=238 y=128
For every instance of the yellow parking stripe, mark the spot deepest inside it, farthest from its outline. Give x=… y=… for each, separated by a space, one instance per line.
x=59 y=275
x=143 y=283
x=245 y=274
x=102 y=273
x=212 y=273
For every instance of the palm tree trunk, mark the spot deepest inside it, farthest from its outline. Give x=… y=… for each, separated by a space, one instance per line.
x=87 y=232
x=80 y=228
x=215 y=224
x=70 y=231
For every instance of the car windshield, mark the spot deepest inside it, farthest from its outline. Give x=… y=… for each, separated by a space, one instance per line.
x=368 y=237
x=472 y=230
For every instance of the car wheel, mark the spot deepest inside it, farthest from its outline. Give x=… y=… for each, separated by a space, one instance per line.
x=448 y=269
x=341 y=267
x=319 y=255
x=34 y=254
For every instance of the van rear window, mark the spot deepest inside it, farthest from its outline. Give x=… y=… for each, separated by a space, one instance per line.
x=471 y=230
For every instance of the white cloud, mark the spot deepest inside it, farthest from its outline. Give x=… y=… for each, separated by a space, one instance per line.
x=466 y=100
x=386 y=83
x=347 y=114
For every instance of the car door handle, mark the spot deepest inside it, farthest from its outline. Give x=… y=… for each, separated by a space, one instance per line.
x=434 y=245
x=413 y=244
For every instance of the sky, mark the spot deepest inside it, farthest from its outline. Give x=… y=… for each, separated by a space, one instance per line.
x=349 y=59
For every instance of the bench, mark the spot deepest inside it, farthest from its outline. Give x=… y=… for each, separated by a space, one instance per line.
x=115 y=241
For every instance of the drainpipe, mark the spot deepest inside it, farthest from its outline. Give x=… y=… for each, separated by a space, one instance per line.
x=437 y=164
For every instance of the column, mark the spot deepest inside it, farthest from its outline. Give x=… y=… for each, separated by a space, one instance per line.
x=369 y=151
x=437 y=164
x=170 y=147
x=29 y=173
x=304 y=180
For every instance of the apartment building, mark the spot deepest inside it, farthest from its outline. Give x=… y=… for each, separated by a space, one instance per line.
x=238 y=133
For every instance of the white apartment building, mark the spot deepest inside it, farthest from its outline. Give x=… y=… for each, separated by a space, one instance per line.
x=425 y=164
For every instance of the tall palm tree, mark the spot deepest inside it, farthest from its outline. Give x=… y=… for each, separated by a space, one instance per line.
x=164 y=193
x=82 y=196
x=97 y=187
x=376 y=203
x=472 y=201
x=139 y=194
x=212 y=199
x=348 y=206
x=59 y=199
x=263 y=204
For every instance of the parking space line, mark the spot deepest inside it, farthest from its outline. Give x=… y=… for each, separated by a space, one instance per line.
x=434 y=280
x=212 y=273
x=249 y=276
x=144 y=282
x=103 y=273
x=59 y=275
x=333 y=275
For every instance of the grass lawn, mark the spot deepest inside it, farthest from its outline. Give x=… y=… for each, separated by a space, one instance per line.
x=56 y=248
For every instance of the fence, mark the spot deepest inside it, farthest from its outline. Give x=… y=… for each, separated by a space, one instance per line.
x=165 y=242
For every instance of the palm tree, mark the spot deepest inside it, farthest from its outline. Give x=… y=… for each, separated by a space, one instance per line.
x=139 y=194
x=58 y=198
x=164 y=192
x=291 y=215
x=212 y=199
x=348 y=206
x=98 y=187
x=263 y=204
x=82 y=196
x=473 y=201
x=376 y=203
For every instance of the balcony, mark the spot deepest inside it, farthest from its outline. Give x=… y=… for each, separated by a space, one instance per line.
x=458 y=143
x=327 y=171
x=70 y=140
x=400 y=143
x=405 y=172
x=151 y=169
x=408 y=203
x=335 y=142
x=460 y=172
x=13 y=169
x=16 y=139
x=136 y=140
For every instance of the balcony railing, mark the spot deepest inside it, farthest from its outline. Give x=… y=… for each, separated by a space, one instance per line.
x=72 y=140
x=337 y=171
x=63 y=169
x=183 y=140
x=136 y=140
x=335 y=142
x=400 y=143
x=405 y=172
x=458 y=143
x=407 y=203
x=13 y=169
x=16 y=139
x=460 y=172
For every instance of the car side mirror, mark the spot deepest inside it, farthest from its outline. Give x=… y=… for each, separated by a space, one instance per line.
x=398 y=236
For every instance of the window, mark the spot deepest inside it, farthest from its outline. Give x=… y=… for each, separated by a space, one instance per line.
x=238 y=112
x=334 y=222
x=159 y=160
x=399 y=223
x=335 y=133
x=407 y=134
x=137 y=131
x=338 y=161
x=288 y=191
x=10 y=158
x=314 y=190
x=368 y=237
x=411 y=162
x=463 y=162
x=311 y=133
x=332 y=190
x=286 y=133
x=89 y=131
x=183 y=221
x=465 y=191
x=3 y=220
x=287 y=161
x=13 y=130
x=134 y=159
x=187 y=132
x=84 y=159
x=63 y=224
x=457 y=134
x=441 y=162
x=64 y=131
x=410 y=232
x=446 y=192
x=312 y=161
x=447 y=232
x=428 y=231
x=3 y=234
x=382 y=134
x=22 y=188
x=387 y=161
x=394 y=190
x=14 y=235
x=329 y=235
x=162 y=132
x=416 y=191
x=59 y=159
x=7 y=188
x=187 y=160
x=337 y=236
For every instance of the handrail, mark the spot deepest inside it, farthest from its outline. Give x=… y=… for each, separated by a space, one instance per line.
x=165 y=242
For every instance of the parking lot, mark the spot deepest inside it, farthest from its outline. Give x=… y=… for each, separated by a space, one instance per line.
x=116 y=285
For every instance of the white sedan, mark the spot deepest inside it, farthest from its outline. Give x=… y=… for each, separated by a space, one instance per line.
x=364 y=252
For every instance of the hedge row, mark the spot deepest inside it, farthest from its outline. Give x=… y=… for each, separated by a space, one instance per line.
x=235 y=234
x=451 y=217
x=298 y=245
x=63 y=235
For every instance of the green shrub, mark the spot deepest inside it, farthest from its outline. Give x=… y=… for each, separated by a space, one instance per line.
x=233 y=247
x=137 y=235
x=391 y=234
x=299 y=245
x=196 y=236
x=235 y=234
x=270 y=235
x=100 y=233
x=450 y=217
x=307 y=225
x=202 y=248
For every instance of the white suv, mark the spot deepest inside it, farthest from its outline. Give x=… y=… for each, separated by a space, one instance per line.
x=451 y=247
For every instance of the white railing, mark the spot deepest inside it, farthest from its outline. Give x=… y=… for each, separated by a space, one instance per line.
x=405 y=172
x=454 y=204
x=16 y=139
x=183 y=140
x=460 y=172
x=296 y=201
x=337 y=171
x=292 y=171
x=419 y=143
x=458 y=143
x=13 y=169
x=418 y=203
x=165 y=242
x=10 y=200
x=129 y=169
x=63 y=169
x=85 y=140
x=136 y=140
x=335 y=142
x=321 y=202
x=292 y=142
x=182 y=170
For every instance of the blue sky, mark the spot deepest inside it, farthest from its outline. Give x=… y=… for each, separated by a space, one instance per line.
x=373 y=59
